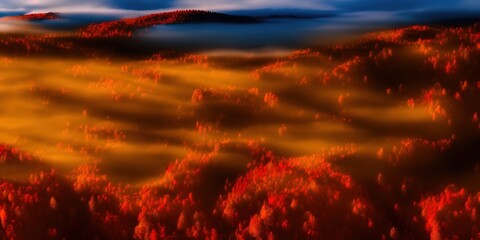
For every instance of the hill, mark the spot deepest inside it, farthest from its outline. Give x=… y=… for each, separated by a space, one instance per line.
x=371 y=139
x=32 y=17
x=124 y=27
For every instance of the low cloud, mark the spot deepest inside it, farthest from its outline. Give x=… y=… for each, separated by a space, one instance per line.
x=253 y=4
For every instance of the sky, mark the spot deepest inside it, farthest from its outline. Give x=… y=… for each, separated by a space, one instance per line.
x=134 y=5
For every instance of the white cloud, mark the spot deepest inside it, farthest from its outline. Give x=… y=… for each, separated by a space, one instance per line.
x=12 y=9
x=91 y=9
x=39 y=5
x=251 y=4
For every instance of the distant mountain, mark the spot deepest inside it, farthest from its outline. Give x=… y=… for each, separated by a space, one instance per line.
x=32 y=17
x=124 y=27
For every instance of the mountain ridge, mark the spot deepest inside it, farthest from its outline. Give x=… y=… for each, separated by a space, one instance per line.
x=32 y=17
x=125 y=27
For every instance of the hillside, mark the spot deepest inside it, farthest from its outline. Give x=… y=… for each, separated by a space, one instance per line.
x=32 y=17
x=371 y=139
x=124 y=27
